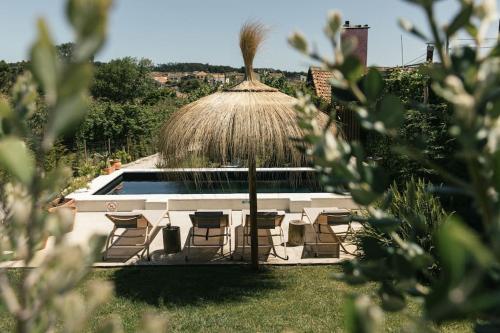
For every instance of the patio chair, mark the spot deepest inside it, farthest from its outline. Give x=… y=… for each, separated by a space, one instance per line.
x=131 y=235
x=266 y=220
x=206 y=221
x=323 y=220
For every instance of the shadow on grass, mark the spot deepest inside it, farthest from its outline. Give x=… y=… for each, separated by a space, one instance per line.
x=182 y=286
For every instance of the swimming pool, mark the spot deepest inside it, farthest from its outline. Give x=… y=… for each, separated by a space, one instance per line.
x=210 y=182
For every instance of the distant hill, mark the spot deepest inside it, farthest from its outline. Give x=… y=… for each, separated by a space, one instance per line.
x=194 y=66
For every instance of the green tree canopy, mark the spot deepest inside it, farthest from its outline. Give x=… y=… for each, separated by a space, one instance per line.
x=123 y=80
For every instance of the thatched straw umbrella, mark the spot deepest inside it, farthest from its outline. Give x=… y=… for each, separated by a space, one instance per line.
x=225 y=127
x=250 y=121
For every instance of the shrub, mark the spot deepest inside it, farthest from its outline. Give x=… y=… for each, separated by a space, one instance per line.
x=467 y=280
x=421 y=216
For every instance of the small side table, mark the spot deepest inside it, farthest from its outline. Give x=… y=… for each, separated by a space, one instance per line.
x=296 y=232
x=171 y=239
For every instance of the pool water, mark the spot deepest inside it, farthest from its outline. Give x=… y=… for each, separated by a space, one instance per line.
x=210 y=183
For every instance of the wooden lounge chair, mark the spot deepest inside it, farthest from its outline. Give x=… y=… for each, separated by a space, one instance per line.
x=323 y=220
x=266 y=220
x=207 y=225
x=131 y=236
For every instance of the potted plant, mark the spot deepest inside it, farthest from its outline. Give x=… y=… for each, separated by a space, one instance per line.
x=119 y=157
x=116 y=163
x=104 y=163
x=108 y=167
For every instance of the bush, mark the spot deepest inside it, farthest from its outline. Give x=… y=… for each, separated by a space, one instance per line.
x=466 y=281
x=421 y=216
x=424 y=127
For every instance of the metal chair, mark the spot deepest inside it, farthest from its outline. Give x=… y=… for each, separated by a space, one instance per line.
x=135 y=238
x=205 y=221
x=323 y=222
x=266 y=221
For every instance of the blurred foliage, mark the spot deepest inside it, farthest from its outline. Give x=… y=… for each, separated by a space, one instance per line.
x=45 y=299
x=65 y=51
x=463 y=252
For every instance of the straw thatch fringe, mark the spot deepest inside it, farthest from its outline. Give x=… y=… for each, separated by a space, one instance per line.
x=252 y=34
x=225 y=127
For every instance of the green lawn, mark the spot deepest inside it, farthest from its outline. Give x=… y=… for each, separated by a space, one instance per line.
x=232 y=298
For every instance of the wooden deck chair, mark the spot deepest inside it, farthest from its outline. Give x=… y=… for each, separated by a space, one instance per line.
x=210 y=224
x=131 y=236
x=323 y=221
x=266 y=220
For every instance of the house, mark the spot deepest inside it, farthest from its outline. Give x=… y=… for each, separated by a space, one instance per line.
x=175 y=77
x=200 y=75
x=160 y=77
x=319 y=79
x=235 y=77
x=217 y=78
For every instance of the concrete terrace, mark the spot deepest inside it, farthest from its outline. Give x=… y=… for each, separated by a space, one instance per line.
x=90 y=220
x=87 y=224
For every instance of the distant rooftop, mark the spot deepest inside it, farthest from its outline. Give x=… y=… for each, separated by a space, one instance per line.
x=319 y=78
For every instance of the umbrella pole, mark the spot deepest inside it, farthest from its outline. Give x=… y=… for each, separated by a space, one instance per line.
x=252 y=190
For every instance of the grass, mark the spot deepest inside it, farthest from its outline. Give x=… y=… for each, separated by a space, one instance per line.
x=232 y=298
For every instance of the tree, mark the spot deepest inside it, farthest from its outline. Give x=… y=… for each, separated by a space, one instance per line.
x=124 y=80
x=65 y=51
x=467 y=280
x=9 y=73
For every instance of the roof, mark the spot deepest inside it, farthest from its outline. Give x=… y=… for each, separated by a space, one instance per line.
x=319 y=78
x=224 y=127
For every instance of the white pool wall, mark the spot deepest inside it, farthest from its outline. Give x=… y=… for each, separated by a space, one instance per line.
x=86 y=201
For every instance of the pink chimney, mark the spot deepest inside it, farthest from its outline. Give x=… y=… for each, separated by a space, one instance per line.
x=360 y=33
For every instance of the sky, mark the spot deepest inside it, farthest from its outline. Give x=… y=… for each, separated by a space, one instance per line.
x=206 y=31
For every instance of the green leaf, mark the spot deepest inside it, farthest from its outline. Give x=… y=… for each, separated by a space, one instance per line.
x=44 y=64
x=71 y=105
x=461 y=20
x=362 y=316
x=16 y=159
x=363 y=197
x=298 y=42
x=391 y=112
x=67 y=113
x=392 y=299
x=422 y=3
x=457 y=243
x=352 y=69
x=385 y=224
x=89 y=19
x=5 y=115
x=410 y=27
x=374 y=84
x=334 y=23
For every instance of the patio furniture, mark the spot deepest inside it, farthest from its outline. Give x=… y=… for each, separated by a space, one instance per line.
x=171 y=239
x=268 y=220
x=131 y=235
x=206 y=221
x=323 y=220
x=296 y=232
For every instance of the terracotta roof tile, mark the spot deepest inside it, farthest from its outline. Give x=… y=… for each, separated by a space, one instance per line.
x=320 y=80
